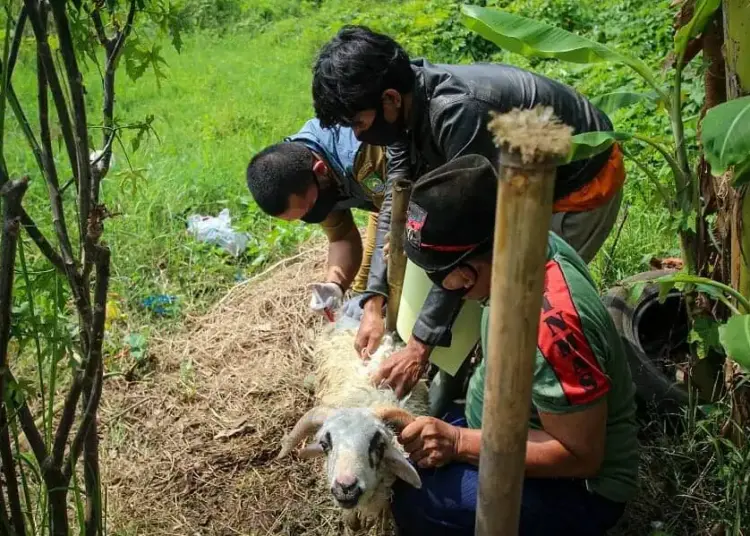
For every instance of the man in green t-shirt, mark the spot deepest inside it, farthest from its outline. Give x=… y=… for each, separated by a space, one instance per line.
x=582 y=451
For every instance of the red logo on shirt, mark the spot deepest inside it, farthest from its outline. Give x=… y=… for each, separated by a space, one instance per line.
x=563 y=342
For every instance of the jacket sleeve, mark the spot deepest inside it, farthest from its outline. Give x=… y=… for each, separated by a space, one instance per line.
x=460 y=127
x=397 y=168
x=440 y=308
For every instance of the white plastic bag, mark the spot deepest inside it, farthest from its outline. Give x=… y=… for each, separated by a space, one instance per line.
x=218 y=230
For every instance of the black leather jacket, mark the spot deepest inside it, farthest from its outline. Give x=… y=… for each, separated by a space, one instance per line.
x=449 y=116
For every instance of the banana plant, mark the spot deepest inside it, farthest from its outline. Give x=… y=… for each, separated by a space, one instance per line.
x=725 y=132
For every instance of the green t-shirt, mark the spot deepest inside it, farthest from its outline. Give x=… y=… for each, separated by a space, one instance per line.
x=580 y=360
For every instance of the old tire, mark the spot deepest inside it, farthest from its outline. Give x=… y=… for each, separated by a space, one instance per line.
x=639 y=324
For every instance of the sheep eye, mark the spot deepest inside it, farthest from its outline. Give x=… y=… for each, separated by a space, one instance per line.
x=377 y=449
x=325 y=442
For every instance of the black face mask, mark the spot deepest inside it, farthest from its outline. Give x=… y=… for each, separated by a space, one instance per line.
x=383 y=133
x=325 y=202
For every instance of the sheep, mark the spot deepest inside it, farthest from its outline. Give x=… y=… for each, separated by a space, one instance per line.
x=353 y=424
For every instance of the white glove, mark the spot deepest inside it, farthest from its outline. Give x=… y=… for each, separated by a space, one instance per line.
x=326 y=296
x=352 y=309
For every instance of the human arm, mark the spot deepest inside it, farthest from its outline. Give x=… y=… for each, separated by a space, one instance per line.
x=397 y=168
x=372 y=324
x=570 y=445
x=344 y=257
x=459 y=128
x=344 y=247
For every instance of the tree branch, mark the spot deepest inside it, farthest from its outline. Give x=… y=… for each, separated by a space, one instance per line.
x=29 y=427
x=99 y=26
x=125 y=32
x=4 y=521
x=41 y=242
x=77 y=90
x=38 y=19
x=50 y=172
x=9 y=473
x=16 y=44
x=114 y=50
x=66 y=421
x=69 y=264
x=92 y=398
x=15 y=105
x=12 y=193
x=91 y=473
x=92 y=393
x=94 y=372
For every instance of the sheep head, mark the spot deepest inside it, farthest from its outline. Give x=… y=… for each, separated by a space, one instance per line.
x=359 y=446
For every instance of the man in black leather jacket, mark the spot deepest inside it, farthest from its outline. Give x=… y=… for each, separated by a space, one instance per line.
x=429 y=114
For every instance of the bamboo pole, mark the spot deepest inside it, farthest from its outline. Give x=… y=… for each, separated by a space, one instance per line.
x=532 y=143
x=396 y=255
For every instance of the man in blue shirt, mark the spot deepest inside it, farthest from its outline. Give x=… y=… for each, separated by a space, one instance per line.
x=318 y=175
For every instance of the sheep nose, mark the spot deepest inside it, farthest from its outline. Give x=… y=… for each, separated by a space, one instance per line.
x=347 y=490
x=347 y=485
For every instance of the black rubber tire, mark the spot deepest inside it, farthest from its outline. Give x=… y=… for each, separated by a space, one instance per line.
x=654 y=390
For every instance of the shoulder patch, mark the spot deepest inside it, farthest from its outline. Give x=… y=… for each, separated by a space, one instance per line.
x=416 y=217
x=563 y=342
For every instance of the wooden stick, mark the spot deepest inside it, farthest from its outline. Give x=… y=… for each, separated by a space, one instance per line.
x=531 y=142
x=396 y=256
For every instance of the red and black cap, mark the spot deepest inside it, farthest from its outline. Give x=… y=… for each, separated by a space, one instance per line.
x=451 y=214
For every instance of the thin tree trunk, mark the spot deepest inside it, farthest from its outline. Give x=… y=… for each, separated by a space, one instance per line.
x=12 y=194
x=737 y=54
x=714 y=253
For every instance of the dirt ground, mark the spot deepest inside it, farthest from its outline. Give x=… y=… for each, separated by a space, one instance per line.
x=189 y=449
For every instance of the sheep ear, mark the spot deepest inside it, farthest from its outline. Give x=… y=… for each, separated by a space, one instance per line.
x=401 y=468
x=307 y=425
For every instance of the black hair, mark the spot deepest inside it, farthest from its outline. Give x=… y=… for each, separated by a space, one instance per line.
x=277 y=172
x=352 y=71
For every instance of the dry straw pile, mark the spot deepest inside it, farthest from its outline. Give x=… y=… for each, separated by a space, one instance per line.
x=190 y=450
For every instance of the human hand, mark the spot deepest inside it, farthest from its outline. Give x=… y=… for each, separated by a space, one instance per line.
x=386 y=246
x=403 y=369
x=430 y=442
x=325 y=296
x=371 y=328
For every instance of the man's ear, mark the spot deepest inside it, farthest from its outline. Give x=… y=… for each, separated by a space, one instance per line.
x=391 y=98
x=320 y=168
x=471 y=276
